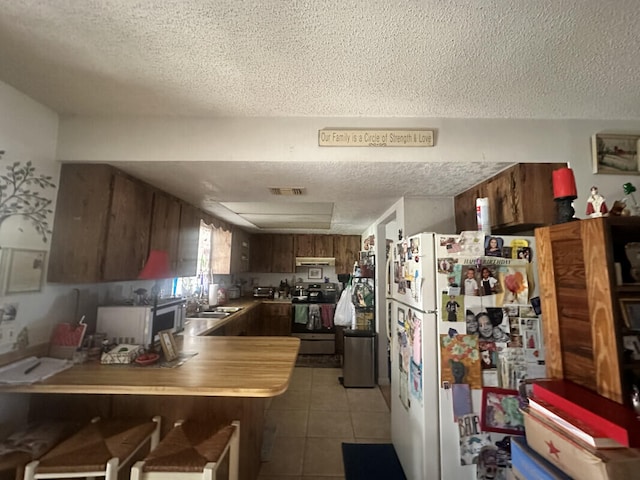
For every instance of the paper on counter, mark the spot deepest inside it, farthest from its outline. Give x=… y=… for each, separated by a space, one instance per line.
x=13 y=374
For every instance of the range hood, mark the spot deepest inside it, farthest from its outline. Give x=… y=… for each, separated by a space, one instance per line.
x=315 y=262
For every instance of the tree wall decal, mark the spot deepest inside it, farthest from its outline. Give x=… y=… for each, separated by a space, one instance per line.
x=20 y=195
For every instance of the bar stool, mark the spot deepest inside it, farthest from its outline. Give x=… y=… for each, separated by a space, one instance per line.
x=193 y=450
x=99 y=449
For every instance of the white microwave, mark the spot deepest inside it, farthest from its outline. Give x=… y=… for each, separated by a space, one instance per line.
x=140 y=325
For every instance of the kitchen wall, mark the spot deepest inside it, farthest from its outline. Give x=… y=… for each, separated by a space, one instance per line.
x=301 y=274
x=28 y=132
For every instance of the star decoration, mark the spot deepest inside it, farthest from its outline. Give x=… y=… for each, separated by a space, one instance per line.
x=552 y=449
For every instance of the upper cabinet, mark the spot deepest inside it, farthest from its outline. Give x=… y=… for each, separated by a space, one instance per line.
x=107 y=221
x=314 y=245
x=165 y=226
x=346 y=250
x=190 y=218
x=240 y=251
x=520 y=199
x=283 y=260
x=276 y=253
x=101 y=227
x=272 y=253
x=260 y=247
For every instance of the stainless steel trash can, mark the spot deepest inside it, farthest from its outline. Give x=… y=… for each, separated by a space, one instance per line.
x=359 y=367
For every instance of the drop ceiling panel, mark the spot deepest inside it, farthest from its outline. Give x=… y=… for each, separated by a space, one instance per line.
x=291 y=208
x=289 y=221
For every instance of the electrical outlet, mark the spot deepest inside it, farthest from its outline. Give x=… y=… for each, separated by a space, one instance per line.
x=10 y=334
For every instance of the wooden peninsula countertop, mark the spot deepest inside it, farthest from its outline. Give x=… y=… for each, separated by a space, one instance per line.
x=223 y=367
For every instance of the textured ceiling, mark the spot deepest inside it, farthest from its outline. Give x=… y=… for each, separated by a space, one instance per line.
x=397 y=58
x=545 y=59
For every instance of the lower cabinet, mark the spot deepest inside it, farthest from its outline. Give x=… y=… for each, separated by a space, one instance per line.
x=266 y=319
x=239 y=326
x=275 y=319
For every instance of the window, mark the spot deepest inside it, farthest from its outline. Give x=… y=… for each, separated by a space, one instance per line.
x=214 y=258
x=214 y=250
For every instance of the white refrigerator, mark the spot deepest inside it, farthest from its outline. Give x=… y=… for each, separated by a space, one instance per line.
x=425 y=270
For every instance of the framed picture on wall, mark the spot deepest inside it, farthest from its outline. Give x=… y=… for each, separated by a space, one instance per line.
x=315 y=273
x=22 y=270
x=615 y=154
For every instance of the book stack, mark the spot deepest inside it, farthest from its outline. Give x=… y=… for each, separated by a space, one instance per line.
x=527 y=464
x=583 y=434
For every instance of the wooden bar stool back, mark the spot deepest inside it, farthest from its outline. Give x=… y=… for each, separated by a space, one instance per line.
x=193 y=450
x=99 y=449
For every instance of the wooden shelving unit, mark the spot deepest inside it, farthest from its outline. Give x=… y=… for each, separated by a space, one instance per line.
x=582 y=318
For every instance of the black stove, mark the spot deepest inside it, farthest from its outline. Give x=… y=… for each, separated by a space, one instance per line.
x=312 y=316
x=315 y=293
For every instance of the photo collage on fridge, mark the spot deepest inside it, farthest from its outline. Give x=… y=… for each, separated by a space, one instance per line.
x=490 y=338
x=493 y=343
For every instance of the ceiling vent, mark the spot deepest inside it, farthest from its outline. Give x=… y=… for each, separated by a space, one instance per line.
x=286 y=191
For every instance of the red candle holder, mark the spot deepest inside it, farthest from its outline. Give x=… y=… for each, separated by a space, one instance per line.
x=564 y=183
x=564 y=193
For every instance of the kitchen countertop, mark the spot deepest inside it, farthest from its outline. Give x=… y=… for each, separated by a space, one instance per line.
x=205 y=326
x=223 y=367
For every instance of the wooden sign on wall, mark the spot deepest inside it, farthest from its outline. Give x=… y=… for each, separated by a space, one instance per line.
x=328 y=137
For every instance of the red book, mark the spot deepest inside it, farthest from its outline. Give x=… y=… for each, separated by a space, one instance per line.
x=571 y=425
x=619 y=422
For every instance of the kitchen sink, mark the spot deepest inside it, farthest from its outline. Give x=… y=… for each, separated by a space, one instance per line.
x=228 y=309
x=214 y=314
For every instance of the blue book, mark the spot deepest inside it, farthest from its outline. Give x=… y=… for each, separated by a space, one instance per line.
x=531 y=465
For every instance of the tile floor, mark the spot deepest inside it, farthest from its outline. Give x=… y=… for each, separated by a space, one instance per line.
x=312 y=419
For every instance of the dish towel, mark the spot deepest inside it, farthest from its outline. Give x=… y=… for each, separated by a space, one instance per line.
x=326 y=313
x=301 y=314
x=314 y=322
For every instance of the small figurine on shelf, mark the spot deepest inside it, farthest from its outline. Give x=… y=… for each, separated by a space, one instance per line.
x=596 y=206
x=631 y=205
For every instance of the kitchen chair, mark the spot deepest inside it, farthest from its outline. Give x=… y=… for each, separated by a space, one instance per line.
x=193 y=450
x=99 y=449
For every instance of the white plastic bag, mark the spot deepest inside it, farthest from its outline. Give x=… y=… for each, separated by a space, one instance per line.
x=345 y=310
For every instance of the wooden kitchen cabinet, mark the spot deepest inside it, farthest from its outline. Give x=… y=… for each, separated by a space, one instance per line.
x=240 y=251
x=520 y=199
x=275 y=319
x=282 y=259
x=346 y=250
x=188 y=238
x=272 y=253
x=101 y=227
x=261 y=246
x=583 y=326
x=313 y=245
x=465 y=207
x=238 y=327
x=276 y=253
x=165 y=226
